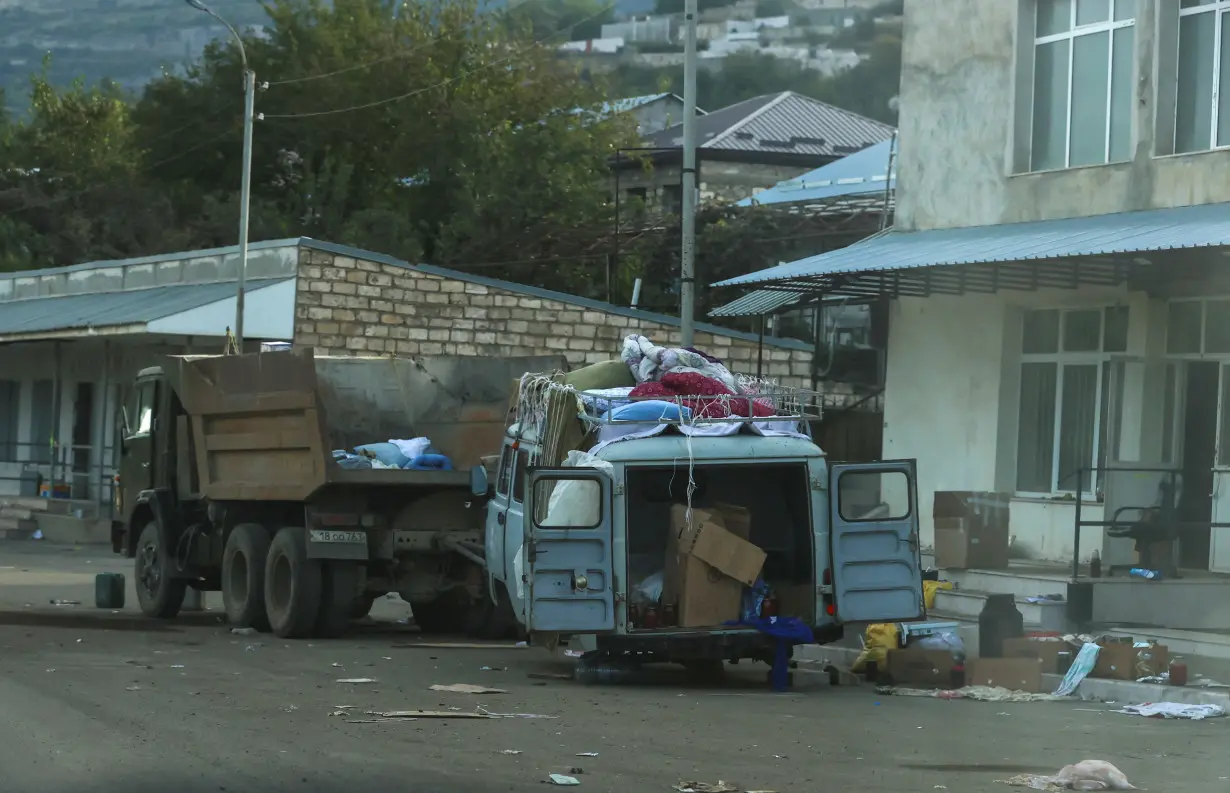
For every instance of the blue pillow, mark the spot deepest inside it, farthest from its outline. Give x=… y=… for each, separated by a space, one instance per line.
x=650 y=411
x=386 y=453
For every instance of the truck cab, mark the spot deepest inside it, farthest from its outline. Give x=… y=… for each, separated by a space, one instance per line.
x=840 y=541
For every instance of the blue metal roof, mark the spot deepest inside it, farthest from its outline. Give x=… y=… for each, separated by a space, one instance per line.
x=759 y=303
x=1176 y=228
x=111 y=309
x=859 y=174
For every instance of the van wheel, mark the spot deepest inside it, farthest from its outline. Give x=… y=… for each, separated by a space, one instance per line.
x=292 y=585
x=339 y=588
x=243 y=576
x=159 y=594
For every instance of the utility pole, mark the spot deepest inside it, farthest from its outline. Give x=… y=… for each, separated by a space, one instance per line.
x=687 y=249
x=245 y=189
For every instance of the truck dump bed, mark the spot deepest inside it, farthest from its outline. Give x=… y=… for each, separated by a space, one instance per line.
x=262 y=427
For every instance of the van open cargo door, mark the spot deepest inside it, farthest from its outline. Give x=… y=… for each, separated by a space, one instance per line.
x=875 y=556
x=569 y=569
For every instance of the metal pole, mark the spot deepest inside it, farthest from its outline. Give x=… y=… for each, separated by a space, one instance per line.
x=687 y=253
x=245 y=197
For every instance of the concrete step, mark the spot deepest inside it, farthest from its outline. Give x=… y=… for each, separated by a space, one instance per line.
x=1180 y=642
x=75 y=531
x=1007 y=582
x=21 y=513
x=968 y=604
x=19 y=502
x=18 y=524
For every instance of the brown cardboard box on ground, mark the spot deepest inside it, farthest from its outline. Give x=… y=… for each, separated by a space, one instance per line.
x=1122 y=661
x=917 y=667
x=705 y=594
x=708 y=539
x=1014 y=674
x=971 y=529
x=1047 y=650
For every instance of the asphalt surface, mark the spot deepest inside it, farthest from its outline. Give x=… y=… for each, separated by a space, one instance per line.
x=110 y=701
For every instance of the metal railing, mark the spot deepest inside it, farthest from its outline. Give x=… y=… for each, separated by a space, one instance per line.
x=1166 y=501
x=76 y=472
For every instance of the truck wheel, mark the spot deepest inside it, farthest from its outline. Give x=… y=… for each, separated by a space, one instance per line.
x=243 y=576
x=158 y=593
x=292 y=585
x=339 y=588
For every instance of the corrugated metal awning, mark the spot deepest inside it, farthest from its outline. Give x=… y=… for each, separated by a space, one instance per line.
x=863 y=174
x=1106 y=250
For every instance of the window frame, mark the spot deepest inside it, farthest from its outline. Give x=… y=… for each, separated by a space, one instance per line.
x=1217 y=9
x=1100 y=358
x=1075 y=31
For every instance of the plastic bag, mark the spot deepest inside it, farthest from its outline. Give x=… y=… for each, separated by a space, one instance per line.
x=946 y=640
x=932 y=587
x=649 y=590
x=577 y=502
x=877 y=641
x=411 y=448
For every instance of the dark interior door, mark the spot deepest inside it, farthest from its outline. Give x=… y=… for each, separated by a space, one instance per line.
x=83 y=427
x=1199 y=447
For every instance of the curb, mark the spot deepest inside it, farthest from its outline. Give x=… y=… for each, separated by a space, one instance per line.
x=1091 y=689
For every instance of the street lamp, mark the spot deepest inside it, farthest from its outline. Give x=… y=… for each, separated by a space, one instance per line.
x=245 y=190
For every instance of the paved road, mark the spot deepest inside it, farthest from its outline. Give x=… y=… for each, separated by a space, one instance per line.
x=98 y=701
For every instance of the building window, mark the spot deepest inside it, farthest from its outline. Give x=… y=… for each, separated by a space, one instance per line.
x=1082 y=88
x=10 y=404
x=1201 y=121
x=1061 y=432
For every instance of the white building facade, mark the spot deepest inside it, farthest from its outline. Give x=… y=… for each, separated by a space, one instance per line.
x=1060 y=317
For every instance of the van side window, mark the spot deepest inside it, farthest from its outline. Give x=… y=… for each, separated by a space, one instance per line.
x=506 y=464
x=523 y=472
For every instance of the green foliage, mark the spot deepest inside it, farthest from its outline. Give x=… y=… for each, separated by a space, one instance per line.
x=459 y=144
x=676 y=6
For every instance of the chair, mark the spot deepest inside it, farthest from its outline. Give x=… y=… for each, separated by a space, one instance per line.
x=1155 y=526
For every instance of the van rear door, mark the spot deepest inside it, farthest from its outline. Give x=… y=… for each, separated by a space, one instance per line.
x=569 y=573
x=874 y=546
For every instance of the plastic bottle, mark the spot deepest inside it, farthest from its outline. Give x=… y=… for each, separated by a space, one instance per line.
x=998 y=620
x=1095 y=564
x=1150 y=575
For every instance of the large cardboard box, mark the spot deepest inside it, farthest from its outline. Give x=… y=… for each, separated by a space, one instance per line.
x=1123 y=661
x=1014 y=674
x=1046 y=650
x=705 y=594
x=917 y=667
x=971 y=529
x=707 y=538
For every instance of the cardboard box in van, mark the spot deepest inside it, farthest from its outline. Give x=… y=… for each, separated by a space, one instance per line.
x=700 y=558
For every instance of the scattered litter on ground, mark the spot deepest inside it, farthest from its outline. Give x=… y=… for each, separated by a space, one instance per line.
x=977 y=693
x=560 y=779
x=58 y=602
x=37 y=535
x=291 y=708
x=523 y=644
x=337 y=665
x=177 y=666
x=510 y=751
x=705 y=787
x=493 y=669
x=1173 y=710
x=466 y=688
x=587 y=754
x=546 y=676
x=132 y=688
x=429 y=714
x=345 y=707
x=573 y=653
x=338 y=713
x=486 y=712
x=1085 y=775
x=576 y=770
x=356 y=680
x=243 y=631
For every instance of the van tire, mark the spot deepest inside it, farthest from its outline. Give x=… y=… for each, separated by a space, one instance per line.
x=339 y=589
x=159 y=594
x=292 y=585
x=243 y=576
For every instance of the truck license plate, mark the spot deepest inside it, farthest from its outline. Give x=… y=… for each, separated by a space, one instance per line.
x=329 y=535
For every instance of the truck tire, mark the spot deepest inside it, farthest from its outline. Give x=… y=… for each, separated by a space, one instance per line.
x=339 y=588
x=292 y=585
x=158 y=594
x=243 y=576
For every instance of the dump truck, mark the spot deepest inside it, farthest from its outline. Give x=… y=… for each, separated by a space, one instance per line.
x=228 y=482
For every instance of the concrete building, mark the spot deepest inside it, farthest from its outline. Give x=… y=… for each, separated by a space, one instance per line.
x=1057 y=269
x=71 y=338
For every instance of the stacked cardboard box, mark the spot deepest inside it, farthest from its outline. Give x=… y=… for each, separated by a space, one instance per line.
x=971 y=529
x=709 y=562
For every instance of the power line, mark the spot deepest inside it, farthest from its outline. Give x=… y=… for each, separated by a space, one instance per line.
x=442 y=84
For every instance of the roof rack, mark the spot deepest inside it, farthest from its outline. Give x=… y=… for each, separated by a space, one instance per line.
x=788 y=404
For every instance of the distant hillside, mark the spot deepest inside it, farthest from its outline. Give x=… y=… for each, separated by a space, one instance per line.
x=128 y=41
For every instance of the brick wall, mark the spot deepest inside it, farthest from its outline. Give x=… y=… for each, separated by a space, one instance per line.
x=348 y=306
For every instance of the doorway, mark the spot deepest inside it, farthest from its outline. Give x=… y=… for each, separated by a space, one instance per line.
x=1201 y=385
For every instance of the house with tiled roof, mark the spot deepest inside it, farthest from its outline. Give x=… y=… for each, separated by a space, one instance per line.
x=746 y=147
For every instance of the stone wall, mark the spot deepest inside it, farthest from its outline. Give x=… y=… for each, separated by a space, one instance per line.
x=348 y=306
